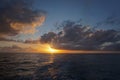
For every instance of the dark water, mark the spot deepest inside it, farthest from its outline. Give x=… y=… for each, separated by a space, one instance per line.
x=24 y=66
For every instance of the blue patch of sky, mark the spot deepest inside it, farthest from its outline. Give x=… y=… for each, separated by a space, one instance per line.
x=90 y=11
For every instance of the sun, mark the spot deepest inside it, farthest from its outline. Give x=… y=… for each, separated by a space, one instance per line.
x=51 y=50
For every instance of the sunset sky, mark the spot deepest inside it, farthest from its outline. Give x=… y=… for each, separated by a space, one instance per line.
x=30 y=25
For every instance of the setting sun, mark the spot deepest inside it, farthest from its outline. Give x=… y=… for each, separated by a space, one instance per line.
x=51 y=50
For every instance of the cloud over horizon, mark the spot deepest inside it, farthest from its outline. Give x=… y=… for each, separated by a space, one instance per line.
x=16 y=48
x=76 y=36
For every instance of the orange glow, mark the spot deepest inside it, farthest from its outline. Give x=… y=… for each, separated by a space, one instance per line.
x=28 y=28
x=46 y=48
x=51 y=50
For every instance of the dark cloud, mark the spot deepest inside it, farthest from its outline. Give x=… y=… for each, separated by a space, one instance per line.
x=110 y=46
x=80 y=37
x=48 y=37
x=17 y=16
x=4 y=39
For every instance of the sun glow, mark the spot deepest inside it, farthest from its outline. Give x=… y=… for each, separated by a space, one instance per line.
x=51 y=50
x=46 y=48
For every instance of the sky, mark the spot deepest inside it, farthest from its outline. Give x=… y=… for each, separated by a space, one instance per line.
x=29 y=24
x=91 y=12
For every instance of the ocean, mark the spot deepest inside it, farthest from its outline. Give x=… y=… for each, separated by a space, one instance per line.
x=31 y=66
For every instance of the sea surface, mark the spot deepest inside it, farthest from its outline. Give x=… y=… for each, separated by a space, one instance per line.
x=31 y=66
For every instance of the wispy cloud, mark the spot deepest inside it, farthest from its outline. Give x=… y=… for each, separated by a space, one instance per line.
x=113 y=20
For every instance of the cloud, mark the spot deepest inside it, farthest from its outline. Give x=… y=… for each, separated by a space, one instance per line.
x=48 y=37
x=110 y=46
x=79 y=37
x=16 y=48
x=113 y=20
x=4 y=39
x=30 y=41
x=10 y=48
x=17 y=16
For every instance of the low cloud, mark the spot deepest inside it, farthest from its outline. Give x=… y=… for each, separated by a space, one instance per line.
x=16 y=48
x=17 y=16
x=76 y=36
x=30 y=41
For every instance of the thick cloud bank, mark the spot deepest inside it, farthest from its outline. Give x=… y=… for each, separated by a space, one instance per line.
x=76 y=36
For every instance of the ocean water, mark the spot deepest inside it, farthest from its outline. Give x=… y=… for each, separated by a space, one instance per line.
x=28 y=66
